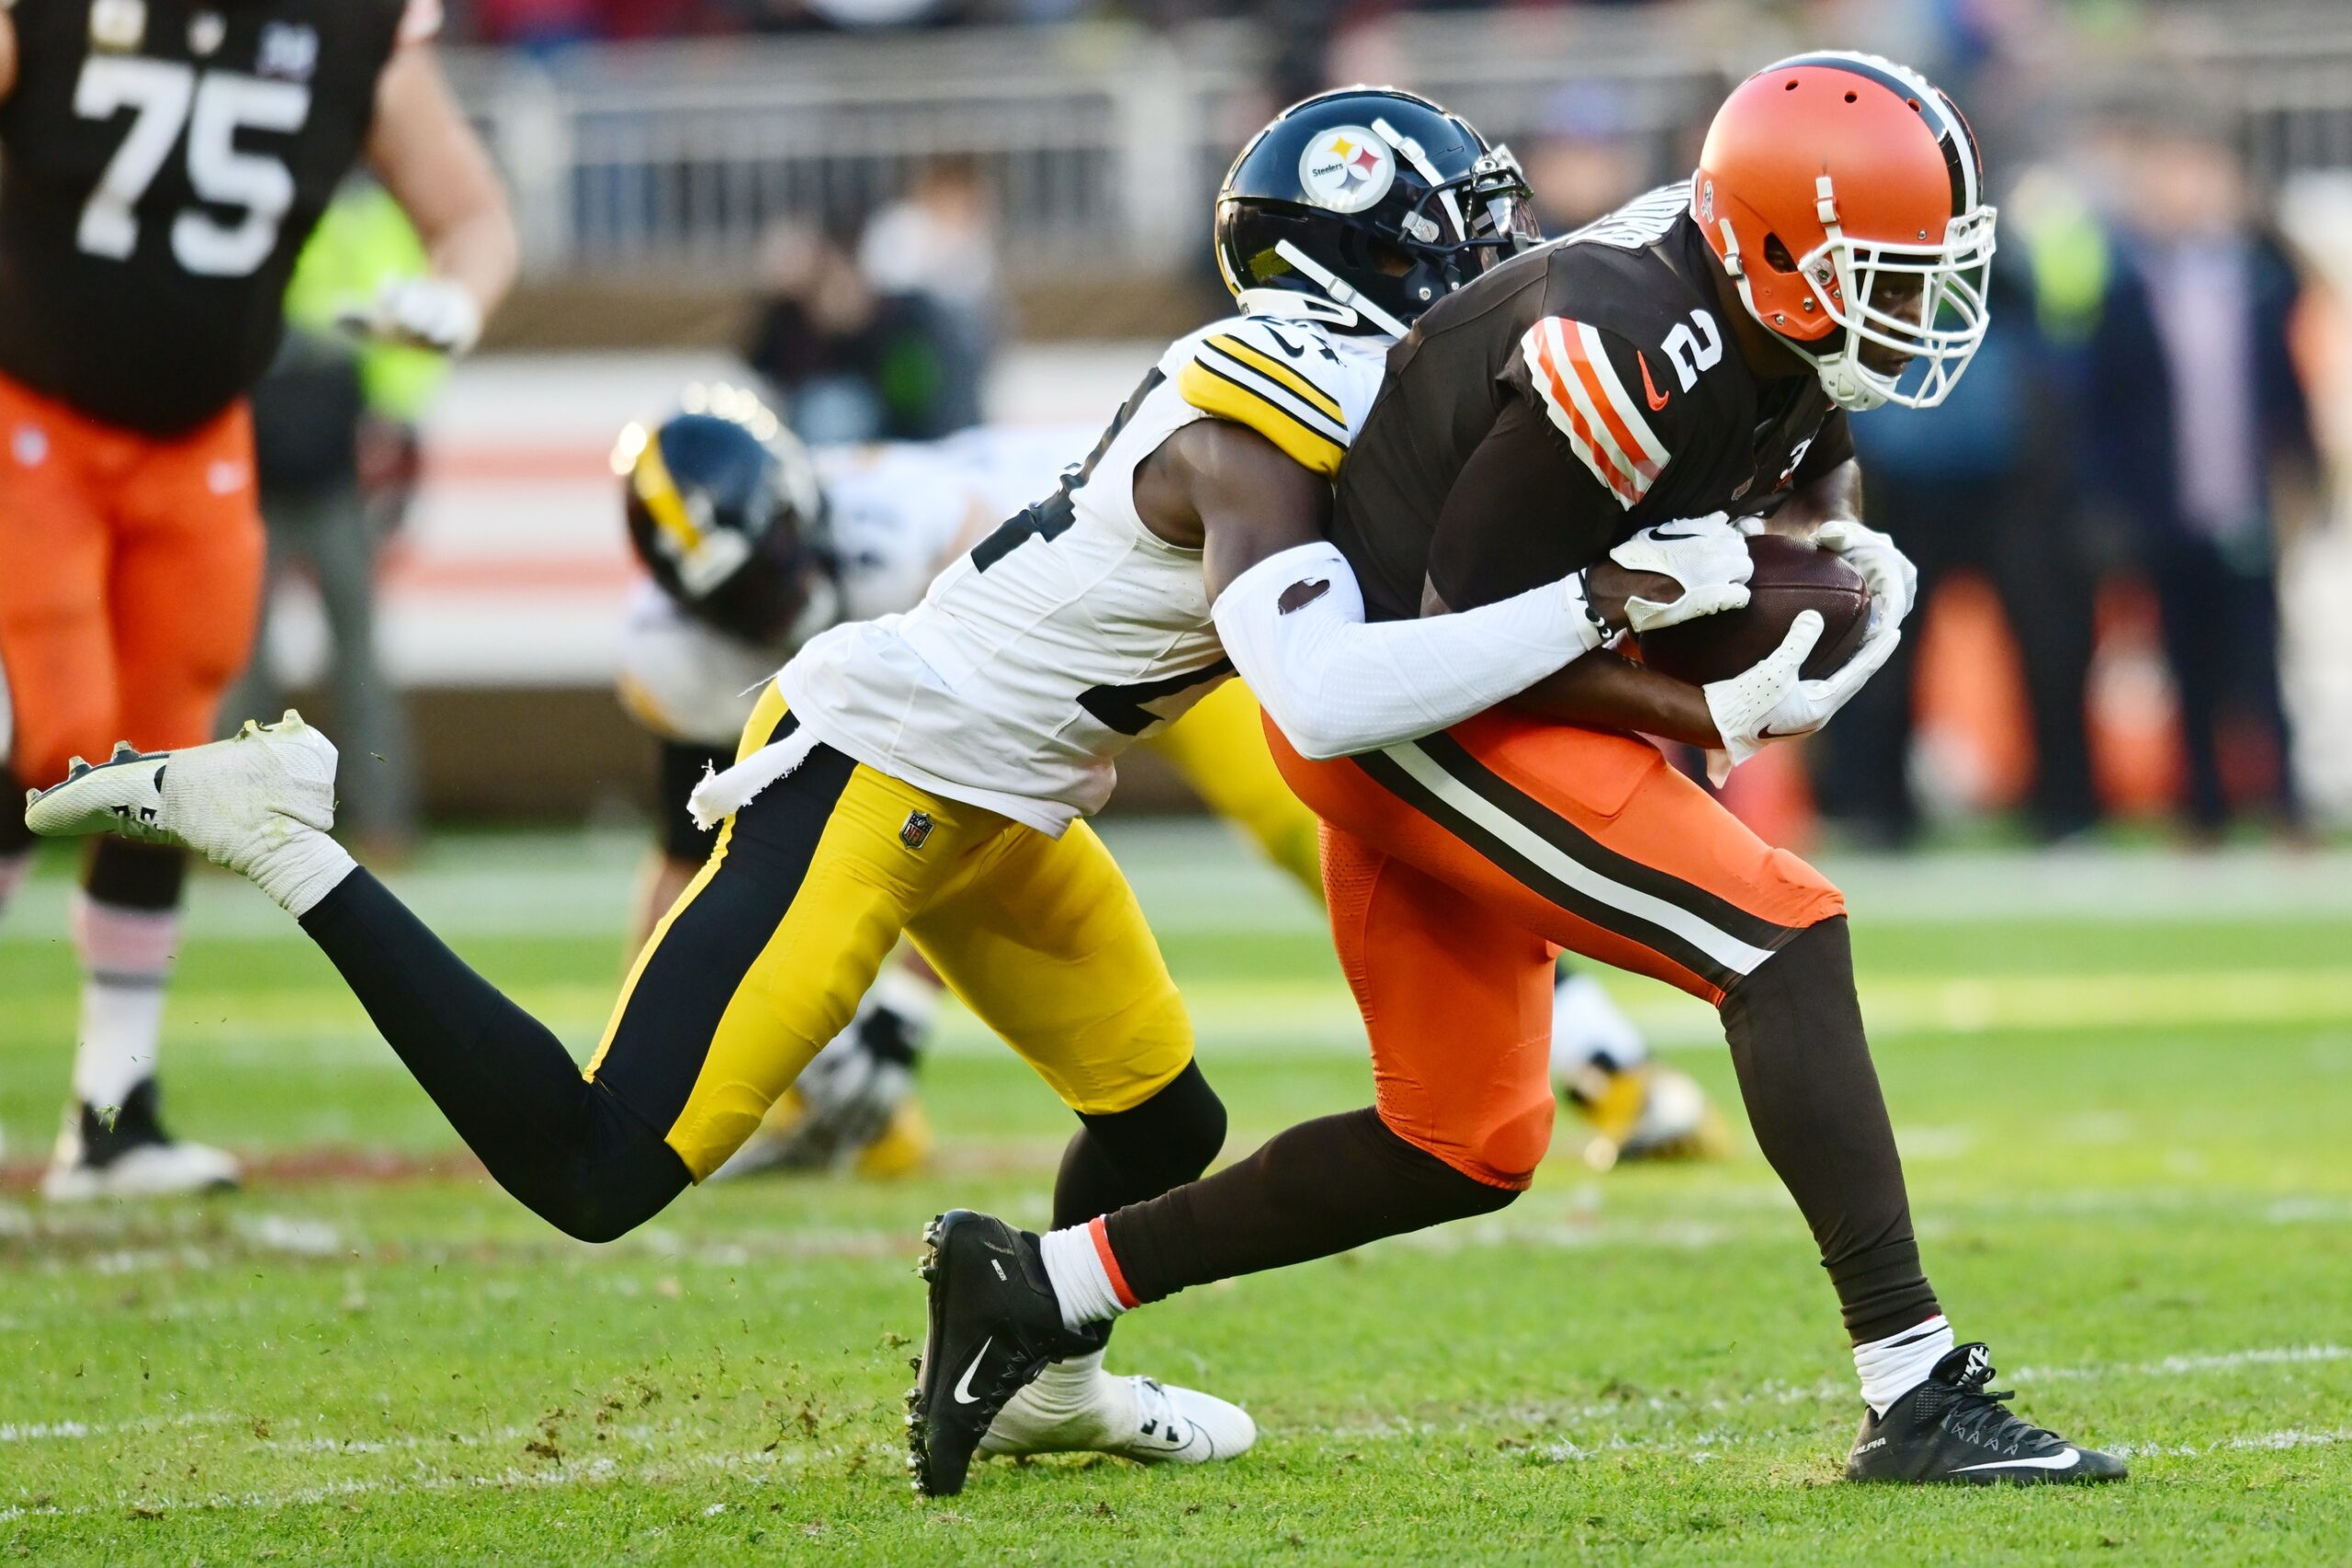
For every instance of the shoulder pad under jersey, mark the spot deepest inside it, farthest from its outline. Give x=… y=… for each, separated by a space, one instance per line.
x=1604 y=397
x=1283 y=379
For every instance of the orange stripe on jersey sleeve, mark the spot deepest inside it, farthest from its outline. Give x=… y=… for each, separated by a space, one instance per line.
x=1543 y=364
x=1607 y=394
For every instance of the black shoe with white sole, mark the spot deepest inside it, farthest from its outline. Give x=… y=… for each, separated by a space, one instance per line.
x=994 y=1324
x=1952 y=1428
x=124 y=1152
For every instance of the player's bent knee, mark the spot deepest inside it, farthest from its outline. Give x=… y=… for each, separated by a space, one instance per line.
x=1822 y=951
x=1170 y=1137
x=617 y=1174
x=1460 y=1179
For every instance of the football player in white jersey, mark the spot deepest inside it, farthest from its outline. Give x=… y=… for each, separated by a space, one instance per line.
x=753 y=542
x=927 y=774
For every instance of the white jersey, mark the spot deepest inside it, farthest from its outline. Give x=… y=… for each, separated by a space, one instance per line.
x=1073 y=629
x=894 y=512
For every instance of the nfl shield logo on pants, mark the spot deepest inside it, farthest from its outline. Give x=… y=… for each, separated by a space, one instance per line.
x=917 y=832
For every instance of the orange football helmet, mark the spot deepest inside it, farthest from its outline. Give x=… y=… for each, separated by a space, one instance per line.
x=1845 y=194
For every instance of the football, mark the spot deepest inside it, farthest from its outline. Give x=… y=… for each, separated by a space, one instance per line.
x=1790 y=577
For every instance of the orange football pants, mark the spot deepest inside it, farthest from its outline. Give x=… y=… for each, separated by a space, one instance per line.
x=130 y=572
x=1459 y=866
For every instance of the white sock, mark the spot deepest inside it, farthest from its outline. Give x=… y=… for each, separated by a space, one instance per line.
x=14 y=869
x=1069 y=1383
x=1893 y=1366
x=126 y=960
x=1080 y=1265
x=301 y=869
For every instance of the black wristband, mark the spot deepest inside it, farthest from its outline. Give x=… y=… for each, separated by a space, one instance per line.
x=1583 y=588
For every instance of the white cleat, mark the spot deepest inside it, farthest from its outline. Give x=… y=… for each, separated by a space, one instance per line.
x=124 y=1152
x=1133 y=1418
x=233 y=801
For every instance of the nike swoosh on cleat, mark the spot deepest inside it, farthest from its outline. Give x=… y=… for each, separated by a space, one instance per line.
x=1662 y=534
x=964 y=1394
x=2066 y=1460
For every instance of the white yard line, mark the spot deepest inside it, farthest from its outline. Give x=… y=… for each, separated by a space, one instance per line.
x=56 y=1431
x=1195 y=877
x=1593 y=1439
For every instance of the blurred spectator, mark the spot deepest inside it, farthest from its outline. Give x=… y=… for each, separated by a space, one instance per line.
x=2196 y=398
x=937 y=243
x=892 y=345
x=1589 y=157
x=551 y=24
x=1982 y=484
x=336 y=450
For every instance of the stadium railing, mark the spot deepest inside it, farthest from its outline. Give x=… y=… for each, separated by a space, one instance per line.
x=1105 y=140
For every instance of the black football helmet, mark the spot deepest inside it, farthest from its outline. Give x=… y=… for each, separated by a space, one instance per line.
x=1362 y=207
x=725 y=511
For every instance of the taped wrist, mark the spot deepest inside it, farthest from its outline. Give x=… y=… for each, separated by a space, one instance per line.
x=1294 y=627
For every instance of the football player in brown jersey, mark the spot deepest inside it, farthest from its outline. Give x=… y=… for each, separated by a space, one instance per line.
x=161 y=164
x=1692 y=357
x=927 y=774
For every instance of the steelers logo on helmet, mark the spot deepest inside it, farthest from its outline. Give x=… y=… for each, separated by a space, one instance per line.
x=1347 y=169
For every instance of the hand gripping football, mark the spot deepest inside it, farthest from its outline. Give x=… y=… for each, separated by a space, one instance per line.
x=1790 y=577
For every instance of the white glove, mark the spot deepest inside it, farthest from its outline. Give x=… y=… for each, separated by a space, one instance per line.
x=1894 y=580
x=1770 y=700
x=436 y=313
x=1706 y=555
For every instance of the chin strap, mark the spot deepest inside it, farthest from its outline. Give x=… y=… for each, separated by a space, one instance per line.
x=1341 y=292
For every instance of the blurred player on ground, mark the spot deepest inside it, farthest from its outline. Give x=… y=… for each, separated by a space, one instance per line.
x=160 y=165
x=754 y=544
x=1691 y=355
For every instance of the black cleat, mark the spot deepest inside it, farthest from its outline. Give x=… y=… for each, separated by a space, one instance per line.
x=124 y=1152
x=1952 y=1428
x=994 y=1324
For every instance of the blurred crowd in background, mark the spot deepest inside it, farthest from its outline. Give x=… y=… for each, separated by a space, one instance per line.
x=554 y=23
x=2098 y=513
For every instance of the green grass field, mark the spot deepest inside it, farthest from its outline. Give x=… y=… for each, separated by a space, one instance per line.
x=2123 y=1084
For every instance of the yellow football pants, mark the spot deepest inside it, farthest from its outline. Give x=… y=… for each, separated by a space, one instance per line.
x=765 y=955
x=1220 y=748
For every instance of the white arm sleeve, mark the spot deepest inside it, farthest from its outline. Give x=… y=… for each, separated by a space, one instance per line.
x=1338 y=685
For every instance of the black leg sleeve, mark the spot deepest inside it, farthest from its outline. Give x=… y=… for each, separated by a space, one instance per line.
x=15 y=837
x=1320 y=1188
x=1796 y=1036
x=1130 y=1155
x=566 y=1147
x=133 y=876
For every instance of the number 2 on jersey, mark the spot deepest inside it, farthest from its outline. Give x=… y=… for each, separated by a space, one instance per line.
x=1692 y=354
x=167 y=96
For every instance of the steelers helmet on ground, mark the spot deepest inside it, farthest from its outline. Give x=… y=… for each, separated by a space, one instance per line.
x=1363 y=207
x=1845 y=194
x=725 y=510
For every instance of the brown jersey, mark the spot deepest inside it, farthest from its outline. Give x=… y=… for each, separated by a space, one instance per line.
x=161 y=164
x=1549 y=409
